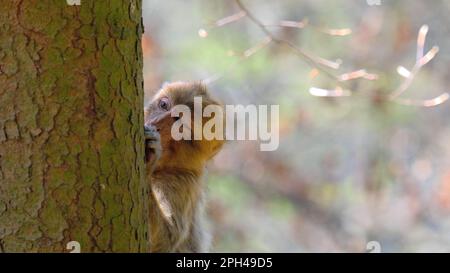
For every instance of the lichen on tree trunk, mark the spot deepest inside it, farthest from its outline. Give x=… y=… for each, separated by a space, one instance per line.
x=71 y=126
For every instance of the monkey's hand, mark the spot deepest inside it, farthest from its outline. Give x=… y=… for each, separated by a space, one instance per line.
x=152 y=148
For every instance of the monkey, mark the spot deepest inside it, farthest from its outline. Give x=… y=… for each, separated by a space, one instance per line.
x=175 y=171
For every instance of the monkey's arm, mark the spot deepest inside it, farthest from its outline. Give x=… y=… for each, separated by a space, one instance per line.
x=152 y=148
x=175 y=213
x=166 y=232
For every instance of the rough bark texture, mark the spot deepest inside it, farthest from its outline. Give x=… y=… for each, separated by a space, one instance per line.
x=71 y=126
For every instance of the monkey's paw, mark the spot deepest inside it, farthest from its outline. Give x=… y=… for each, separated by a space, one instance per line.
x=152 y=146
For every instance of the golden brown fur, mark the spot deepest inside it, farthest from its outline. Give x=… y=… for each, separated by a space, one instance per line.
x=176 y=199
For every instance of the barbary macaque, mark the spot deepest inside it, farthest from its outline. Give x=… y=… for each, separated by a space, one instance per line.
x=175 y=170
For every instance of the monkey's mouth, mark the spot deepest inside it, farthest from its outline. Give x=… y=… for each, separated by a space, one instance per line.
x=151 y=133
x=152 y=142
x=149 y=155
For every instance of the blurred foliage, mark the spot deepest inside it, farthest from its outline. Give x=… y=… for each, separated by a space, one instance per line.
x=349 y=170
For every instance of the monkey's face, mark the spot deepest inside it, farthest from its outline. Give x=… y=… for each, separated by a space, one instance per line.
x=158 y=114
x=181 y=153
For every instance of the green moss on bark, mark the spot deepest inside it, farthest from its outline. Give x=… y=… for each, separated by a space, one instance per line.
x=71 y=153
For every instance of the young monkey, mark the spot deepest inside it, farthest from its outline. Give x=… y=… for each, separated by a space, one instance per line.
x=175 y=170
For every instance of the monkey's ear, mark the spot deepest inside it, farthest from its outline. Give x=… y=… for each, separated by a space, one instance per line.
x=201 y=87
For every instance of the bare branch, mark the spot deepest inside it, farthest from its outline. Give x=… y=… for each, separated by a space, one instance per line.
x=322 y=65
x=421 y=41
x=337 y=92
x=358 y=75
x=230 y=19
x=312 y=60
x=409 y=75
x=425 y=103
x=245 y=55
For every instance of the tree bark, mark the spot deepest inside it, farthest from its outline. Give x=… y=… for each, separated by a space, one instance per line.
x=71 y=126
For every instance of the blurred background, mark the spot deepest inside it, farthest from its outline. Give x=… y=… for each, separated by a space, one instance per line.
x=348 y=170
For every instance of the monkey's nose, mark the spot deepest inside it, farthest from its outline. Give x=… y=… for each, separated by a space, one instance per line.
x=153 y=121
x=151 y=127
x=158 y=119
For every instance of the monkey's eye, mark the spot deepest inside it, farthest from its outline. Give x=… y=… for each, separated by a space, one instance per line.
x=164 y=104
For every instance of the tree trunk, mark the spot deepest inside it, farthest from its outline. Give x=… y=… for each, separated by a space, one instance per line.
x=71 y=126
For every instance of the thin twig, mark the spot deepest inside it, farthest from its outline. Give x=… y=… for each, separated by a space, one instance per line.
x=244 y=56
x=312 y=60
x=421 y=61
x=323 y=65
